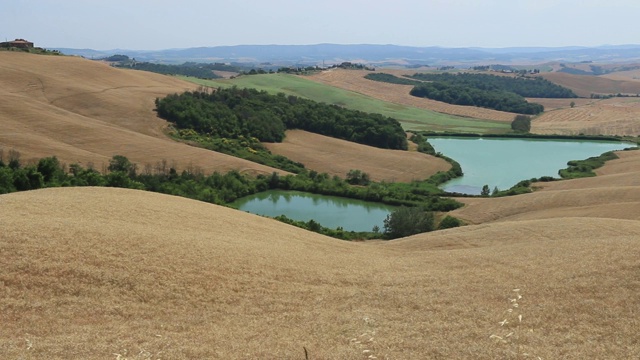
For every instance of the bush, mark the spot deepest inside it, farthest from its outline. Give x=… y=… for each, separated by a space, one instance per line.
x=449 y=222
x=521 y=123
x=406 y=221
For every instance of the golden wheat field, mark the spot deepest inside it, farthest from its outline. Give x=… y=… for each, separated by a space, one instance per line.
x=105 y=273
x=98 y=273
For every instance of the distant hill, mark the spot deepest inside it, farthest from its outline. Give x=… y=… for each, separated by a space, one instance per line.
x=374 y=54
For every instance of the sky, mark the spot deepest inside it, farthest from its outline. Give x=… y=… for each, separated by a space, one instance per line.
x=162 y=24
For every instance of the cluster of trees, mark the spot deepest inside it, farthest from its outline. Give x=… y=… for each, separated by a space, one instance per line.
x=298 y=69
x=609 y=96
x=352 y=66
x=505 y=69
x=199 y=70
x=187 y=69
x=392 y=79
x=230 y=113
x=469 y=96
x=536 y=87
x=489 y=91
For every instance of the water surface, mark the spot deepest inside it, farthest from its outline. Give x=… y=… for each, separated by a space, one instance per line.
x=502 y=163
x=329 y=211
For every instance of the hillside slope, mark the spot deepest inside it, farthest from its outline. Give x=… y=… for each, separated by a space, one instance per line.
x=98 y=273
x=85 y=111
x=338 y=157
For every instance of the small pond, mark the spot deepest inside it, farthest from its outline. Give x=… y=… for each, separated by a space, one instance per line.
x=502 y=163
x=329 y=211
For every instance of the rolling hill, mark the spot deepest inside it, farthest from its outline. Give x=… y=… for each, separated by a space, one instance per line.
x=111 y=273
x=98 y=273
x=85 y=111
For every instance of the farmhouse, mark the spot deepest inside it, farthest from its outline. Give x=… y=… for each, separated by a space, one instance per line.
x=17 y=43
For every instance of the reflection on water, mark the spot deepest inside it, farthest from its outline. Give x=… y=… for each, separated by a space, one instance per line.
x=330 y=211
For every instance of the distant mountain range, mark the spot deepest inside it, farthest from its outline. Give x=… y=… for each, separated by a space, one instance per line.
x=373 y=54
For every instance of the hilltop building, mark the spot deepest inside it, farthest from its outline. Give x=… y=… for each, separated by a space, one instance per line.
x=17 y=43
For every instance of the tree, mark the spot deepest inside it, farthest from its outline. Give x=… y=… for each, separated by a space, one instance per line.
x=407 y=221
x=357 y=177
x=50 y=169
x=6 y=180
x=449 y=222
x=119 y=163
x=572 y=104
x=521 y=123
x=485 y=190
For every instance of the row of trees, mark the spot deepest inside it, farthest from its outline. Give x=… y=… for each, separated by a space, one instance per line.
x=215 y=188
x=234 y=112
x=469 y=96
x=199 y=70
x=536 y=87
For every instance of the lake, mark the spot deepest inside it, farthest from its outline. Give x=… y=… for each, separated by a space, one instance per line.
x=504 y=162
x=329 y=211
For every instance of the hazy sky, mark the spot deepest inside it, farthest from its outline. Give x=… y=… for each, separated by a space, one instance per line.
x=162 y=24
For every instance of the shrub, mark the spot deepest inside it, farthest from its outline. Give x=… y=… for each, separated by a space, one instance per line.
x=449 y=222
x=407 y=221
x=521 y=123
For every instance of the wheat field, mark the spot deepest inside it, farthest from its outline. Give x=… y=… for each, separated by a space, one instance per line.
x=98 y=273
x=104 y=273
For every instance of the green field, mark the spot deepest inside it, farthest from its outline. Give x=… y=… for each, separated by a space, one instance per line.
x=411 y=118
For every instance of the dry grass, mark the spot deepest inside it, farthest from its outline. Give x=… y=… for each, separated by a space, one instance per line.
x=86 y=112
x=97 y=273
x=337 y=157
x=91 y=273
x=617 y=116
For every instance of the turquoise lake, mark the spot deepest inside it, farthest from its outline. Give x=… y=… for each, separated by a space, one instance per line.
x=503 y=163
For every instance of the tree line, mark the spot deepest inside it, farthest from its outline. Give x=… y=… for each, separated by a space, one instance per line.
x=536 y=87
x=468 y=96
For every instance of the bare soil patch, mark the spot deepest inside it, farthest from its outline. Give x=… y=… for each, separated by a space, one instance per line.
x=337 y=157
